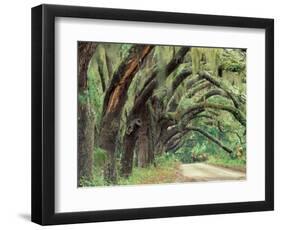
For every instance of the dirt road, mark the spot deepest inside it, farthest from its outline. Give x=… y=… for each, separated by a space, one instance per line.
x=206 y=172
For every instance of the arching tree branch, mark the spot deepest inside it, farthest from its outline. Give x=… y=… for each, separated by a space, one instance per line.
x=210 y=137
x=123 y=77
x=172 y=65
x=213 y=92
x=180 y=78
x=234 y=111
x=219 y=84
x=198 y=88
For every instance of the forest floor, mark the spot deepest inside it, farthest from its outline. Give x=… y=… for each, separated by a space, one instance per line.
x=207 y=172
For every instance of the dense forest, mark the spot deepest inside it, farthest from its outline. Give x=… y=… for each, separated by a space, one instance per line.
x=144 y=110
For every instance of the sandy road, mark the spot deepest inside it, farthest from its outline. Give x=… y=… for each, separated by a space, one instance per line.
x=206 y=172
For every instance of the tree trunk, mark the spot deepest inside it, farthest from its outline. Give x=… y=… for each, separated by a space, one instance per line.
x=151 y=134
x=114 y=101
x=85 y=115
x=86 y=127
x=140 y=102
x=143 y=145
x=130 y=139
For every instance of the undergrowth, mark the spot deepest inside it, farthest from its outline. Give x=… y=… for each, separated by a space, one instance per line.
x=165 y=169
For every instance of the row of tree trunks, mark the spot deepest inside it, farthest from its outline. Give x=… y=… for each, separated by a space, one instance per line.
x=114 y=101
x=139 y=136
x=86 y=121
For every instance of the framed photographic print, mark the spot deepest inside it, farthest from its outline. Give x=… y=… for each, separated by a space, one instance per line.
x=141 y=114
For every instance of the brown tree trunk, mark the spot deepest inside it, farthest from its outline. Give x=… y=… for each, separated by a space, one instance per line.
x=143 y=145
x=151 y=134
x=114 y=101
x=86 y=127
x=137 y=139
x=128 y=156
x=141 y=102
x=85 y=115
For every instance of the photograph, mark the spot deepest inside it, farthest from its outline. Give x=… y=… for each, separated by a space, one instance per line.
x=140 y=114
x=158 y=114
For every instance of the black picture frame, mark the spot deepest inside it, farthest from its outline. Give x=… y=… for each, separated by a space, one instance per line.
x=43 y=114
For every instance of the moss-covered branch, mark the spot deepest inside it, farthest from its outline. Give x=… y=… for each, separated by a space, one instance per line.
x=204 y=105
x=210 y=137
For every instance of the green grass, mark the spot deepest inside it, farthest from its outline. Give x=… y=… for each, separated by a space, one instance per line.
x=224 y=160
x=165 y=170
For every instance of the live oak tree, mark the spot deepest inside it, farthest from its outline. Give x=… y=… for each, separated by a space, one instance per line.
x=114 y=101
x=152 y=99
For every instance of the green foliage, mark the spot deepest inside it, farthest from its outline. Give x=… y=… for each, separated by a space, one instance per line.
x=166 y=159
x=163 y=171
x=124 y=50
x=99 y=157
x=183 y=155
x=213 y=59
x=220 y=100
x=195 y=144
x=97 y=179
x=95 y=92
x=83 y=97
x=233 y=60
x=225 y=160
x=184 y=103
x=196 y=56
x=206 y=59
x=232 y=134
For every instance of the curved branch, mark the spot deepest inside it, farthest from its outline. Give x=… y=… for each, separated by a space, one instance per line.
x=214 y=92
x=174 y=145
x=172 y=65
x=180 y=78
x=222 y=130
x=234 y=111
x=114 y=98
x=143 y=97
x=177 y=59
x=202 y=116
x=152 y=84
x=220 y=85
x=210 y=137
x=198 y=88
x=192 y=82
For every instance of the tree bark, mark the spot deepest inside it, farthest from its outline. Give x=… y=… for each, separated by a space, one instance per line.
x=85 y=115
x=129 y=141
x=143 y=145
x=234 y=111
x=114 y=101
x=140 y=102
x=220 y=85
